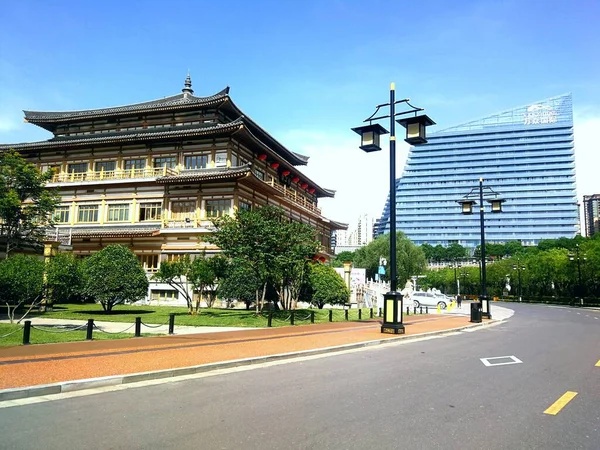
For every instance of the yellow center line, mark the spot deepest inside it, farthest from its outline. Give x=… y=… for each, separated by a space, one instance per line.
x=561 y=403
x=598 y=363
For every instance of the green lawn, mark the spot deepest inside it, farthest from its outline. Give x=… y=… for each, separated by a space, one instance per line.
x=38 y=336
x=207 y=317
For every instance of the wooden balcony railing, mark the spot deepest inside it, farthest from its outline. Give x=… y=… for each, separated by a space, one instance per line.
x=292 y=194
x=149 y=172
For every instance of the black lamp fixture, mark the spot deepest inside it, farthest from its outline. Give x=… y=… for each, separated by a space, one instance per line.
x=416 y=128
x=467 y=202
x=370 y=142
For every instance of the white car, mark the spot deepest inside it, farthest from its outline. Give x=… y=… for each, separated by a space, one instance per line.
x=429 y=299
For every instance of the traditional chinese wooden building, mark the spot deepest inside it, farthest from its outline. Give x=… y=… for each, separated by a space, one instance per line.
x=152 y=175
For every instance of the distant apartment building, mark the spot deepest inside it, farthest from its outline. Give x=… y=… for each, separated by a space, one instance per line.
x=526 y=154
x=591 y=213
x=358 y=234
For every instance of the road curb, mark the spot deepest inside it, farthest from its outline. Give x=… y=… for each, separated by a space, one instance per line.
x=114 y=380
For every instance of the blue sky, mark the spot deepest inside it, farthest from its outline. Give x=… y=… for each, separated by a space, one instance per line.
x=308 y=71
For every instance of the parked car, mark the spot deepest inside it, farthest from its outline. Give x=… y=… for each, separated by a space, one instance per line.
x=429 y=299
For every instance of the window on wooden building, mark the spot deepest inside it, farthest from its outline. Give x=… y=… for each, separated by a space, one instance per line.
x=61 y=214
x=183 y=209
x=134 y=164
x=259 y=174
x=196 y=162
x=87 y=213
x=78 y=168
x=244 y=206
x=105 y=166
x=150 y=211
x=149 y=262
x=167 y=161
x=118 y=212
x=218 y=208
x=158 y=295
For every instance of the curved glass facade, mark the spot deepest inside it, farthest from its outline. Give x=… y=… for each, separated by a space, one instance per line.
x=525 y=154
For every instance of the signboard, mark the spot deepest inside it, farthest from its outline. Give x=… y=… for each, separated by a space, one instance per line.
x=357 y=276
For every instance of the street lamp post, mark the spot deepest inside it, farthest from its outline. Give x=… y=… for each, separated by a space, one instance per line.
x=576 y=257
x=456 y=265
x=370 y=136
x=519 y=267
x=482 y=192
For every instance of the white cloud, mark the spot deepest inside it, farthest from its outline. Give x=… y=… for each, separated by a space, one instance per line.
x=361 y=180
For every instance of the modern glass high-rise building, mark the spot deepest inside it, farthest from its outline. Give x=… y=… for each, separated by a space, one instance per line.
x=525 y=154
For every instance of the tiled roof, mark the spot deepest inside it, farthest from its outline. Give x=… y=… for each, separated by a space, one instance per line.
x=218 y=173
x=174 y=101
x=114 y=231
x=142 y=135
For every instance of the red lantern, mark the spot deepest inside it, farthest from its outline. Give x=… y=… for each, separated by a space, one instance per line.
x=304 y=185
x=285 y=173
x=311 y=191
x=275 y=165
x=262 y=157
x=295 y=179
x=322 y=259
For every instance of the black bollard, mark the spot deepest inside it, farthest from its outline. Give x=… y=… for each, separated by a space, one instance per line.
x=270 y=320
x=415 y=310
x=371 y=313
x=380 y=312
x=421 y=310
x=138 y=326
x=26 y=332
x=331 y=315
x=427 y=310
x=312 y=317
x=292 y=318
x=90 y=329
x=171 y=323
x=346 y=314
x=359 y=314
x=408 y=310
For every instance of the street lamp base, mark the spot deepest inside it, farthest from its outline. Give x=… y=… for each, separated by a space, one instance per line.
x=393 y=328
x=486 y=312
x=392 y=313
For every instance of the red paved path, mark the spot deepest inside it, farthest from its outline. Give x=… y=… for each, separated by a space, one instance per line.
x=51 y=363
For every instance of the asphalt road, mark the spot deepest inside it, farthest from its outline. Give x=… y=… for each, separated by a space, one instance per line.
x=430 y=394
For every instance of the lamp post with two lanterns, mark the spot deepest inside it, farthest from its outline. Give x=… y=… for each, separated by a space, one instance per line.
x=578 y=258
x=370 y=136
x=519 y=267
x=482 y=193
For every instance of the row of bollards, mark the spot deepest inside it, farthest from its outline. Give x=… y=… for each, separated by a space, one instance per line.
x=292 y=317
x=89 y=332
x=415 y=310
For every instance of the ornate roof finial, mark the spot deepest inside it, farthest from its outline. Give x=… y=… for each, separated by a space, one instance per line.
x=188 y=85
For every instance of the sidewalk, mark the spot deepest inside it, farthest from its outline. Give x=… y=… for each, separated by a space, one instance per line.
x=27 y=371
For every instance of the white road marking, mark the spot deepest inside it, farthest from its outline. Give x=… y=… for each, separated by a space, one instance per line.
x=489 y=361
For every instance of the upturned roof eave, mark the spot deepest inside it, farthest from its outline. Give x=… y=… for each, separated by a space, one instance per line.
x=256 y=129
x=50 y=119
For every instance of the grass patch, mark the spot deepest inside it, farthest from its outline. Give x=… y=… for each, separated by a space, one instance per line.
x=49 y=337
x=208 y=317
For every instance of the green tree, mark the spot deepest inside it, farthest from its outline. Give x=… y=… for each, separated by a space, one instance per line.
x=64 y=279
x=297 y=245
x=326 y=286
x=238 y=283
x=177 y=274
x=410 y=259
x=26 y=205
x=114 y=276
x=341 y=258
x=259 y=239
x=21 y=283
x=204 y=274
